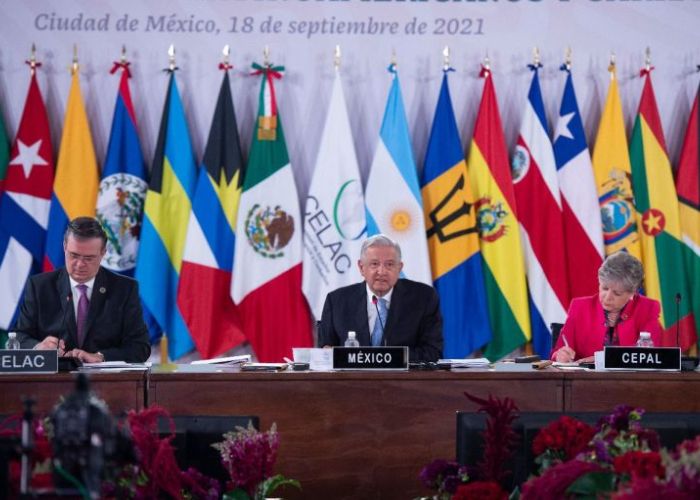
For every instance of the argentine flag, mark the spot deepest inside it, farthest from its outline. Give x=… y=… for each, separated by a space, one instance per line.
x=393 y=197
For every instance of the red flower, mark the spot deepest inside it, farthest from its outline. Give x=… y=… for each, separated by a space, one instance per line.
x=480 y=490
x=640 y=464
x=565 y=435
x=552 y=485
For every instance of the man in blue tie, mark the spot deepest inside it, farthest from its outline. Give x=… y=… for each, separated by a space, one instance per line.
x=384 y=309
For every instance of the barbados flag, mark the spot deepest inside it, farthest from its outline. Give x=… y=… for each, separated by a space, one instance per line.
x=166 y=213
x=452 y=234
x=77 y=177
x=489 y=171
x=658 y=220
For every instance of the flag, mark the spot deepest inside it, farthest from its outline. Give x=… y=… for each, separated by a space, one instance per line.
x=267 y=267
x=688 y=189
x=540 y=217
x=453 y=236
x=613 y=175
x=583 y=232
x=166 y=213
x=205 y=279
x=123 y=186
x=24 y=204
x=4 y=153
x=75 y=186
x=392 y=196
x=499 y=236
x=657 y=216
x=334 y=219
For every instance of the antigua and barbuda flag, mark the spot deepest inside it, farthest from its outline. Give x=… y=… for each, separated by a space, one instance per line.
x=613 y=175
x=583 y=231
x=499 y=237
x=205 y=278
x=334 y=219
x=392 y=196
x=656 y=203
x=166 y=214
x=540 y=217
x=24 y=202
x=267 y=265
x=77 y=175
x=123 y=187
x=453 y=238
x=688 y=189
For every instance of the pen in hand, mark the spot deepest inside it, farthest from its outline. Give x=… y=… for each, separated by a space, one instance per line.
x=563 y=337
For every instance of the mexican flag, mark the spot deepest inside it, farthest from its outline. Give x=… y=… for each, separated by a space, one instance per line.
x=268 y=252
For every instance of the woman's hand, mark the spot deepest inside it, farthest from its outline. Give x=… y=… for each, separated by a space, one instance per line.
x=565 y=355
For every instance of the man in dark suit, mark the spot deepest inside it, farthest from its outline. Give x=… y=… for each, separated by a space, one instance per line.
x=84 y=310
x=384 y=310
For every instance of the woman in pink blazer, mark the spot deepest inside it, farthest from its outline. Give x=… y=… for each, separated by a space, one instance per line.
x=614 y=316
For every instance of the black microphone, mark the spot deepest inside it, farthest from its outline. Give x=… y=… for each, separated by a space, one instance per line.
x=379 y=318
x=63 y=333
x=678 y=319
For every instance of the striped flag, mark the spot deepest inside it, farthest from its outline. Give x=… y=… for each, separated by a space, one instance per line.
x=4 y=153
x=24 y=204
x=453 y=236
x=123 y=186
x=540 y=217
x=657 y=215
x=392 y=196
x=504 y=271
x=688 y=189
x=583 y=232
x=613 y=175
x=334 y=219
x=205 y=279
x=267 y=267
x=77 y=176
x=166 y=213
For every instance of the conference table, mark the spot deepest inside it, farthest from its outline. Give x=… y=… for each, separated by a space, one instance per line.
x=365 y=434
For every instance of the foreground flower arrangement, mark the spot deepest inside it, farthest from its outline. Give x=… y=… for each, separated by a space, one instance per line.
x=617 y=459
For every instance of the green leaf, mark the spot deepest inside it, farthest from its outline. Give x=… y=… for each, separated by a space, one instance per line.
x=592 y=484
x=237 y=494
x=270 y=484
x=515 y=494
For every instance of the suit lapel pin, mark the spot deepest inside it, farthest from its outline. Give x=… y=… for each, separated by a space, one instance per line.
x=103 y=289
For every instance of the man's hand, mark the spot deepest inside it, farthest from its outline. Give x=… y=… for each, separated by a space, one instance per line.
x=52 y=343
x=565 y=355
x=85 y=357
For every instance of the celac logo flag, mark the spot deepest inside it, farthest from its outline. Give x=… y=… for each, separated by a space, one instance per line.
x=166 y=213
x=499 y=236
x=205 y=279
x=583 y=232
x=24 y=204
x=77 y=176
x=657 y=217
x=688 y=189
x=334 y=219
x=453 y=236
x=613 y=175
x=267 y=266
x=123 y=186
x=392 y=196
x=540 y=217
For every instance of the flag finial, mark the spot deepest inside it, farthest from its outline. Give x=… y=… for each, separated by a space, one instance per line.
x=266 y=55
x=536 y=56
x=647 y=59
x=611 y=66
x=74 y=65
x=485 y=67
x=32 y=62
x=336 y=57
x=122 y=58
x=446 y=58
x=171 y=58
x=225 y=65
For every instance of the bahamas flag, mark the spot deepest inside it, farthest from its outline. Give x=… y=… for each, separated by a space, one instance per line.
x=166 y=213
x=489 y=171
x=452 y=234
x=657 y=214
x=205 y=279
x=392 y=196
x=77 y=177
x=613 y=175
x=688 y=189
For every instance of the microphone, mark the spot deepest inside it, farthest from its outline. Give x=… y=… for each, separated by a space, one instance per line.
x=375 y=301
x=678 y=319
x=63 y=333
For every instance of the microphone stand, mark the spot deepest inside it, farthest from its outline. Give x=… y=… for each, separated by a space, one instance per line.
x=688 y=363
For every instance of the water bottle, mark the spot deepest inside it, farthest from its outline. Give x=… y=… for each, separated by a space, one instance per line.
x=352 y=341
x=12 y=342
x=645 y=340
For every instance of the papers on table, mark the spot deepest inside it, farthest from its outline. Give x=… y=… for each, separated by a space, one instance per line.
x=263 y=367
x=229 y=360
x=116 y=366
x=465 y=363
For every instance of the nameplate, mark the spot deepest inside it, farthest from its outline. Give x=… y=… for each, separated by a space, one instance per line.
x=28 y=361
x=370 y=358
x=643 y=358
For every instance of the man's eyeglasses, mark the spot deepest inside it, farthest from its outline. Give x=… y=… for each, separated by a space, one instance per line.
x=389 y=265
x=87 y=259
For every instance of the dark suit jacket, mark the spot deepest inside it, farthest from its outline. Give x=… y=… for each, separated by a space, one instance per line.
x=414 y=318
x=114 y=325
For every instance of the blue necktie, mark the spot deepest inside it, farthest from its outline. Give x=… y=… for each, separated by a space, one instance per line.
x=378 y=330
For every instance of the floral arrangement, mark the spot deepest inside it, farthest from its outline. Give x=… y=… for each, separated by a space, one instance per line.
x=249 y=457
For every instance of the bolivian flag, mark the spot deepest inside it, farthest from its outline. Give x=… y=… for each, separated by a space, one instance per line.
x=657 y=217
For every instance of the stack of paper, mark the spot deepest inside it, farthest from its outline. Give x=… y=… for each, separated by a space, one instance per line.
x=114 y=366
x=229 y=360
x=465 y=363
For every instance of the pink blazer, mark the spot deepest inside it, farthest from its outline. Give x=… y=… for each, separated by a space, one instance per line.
x=585 y=328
